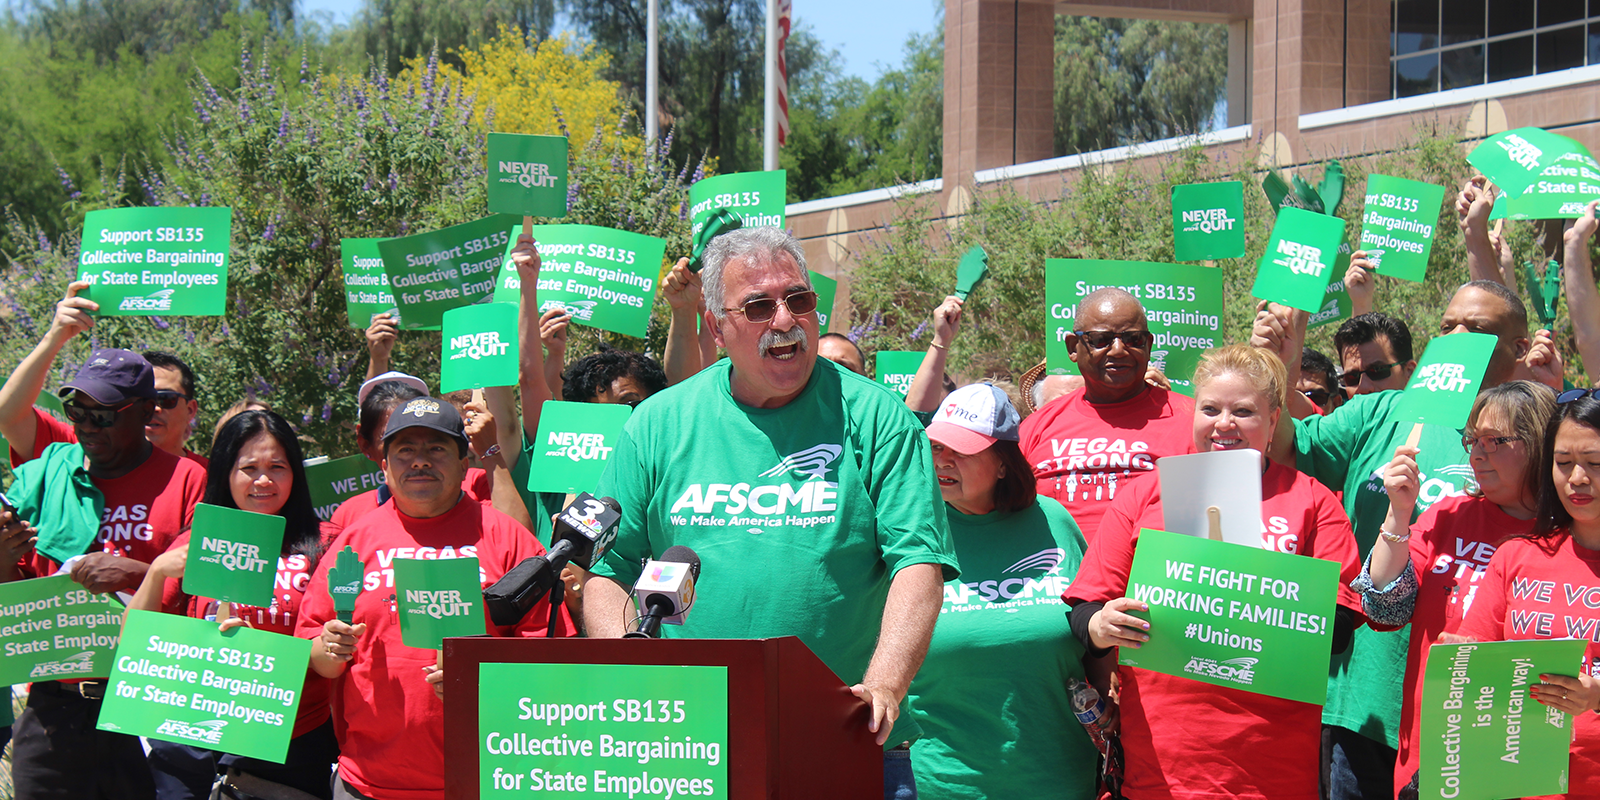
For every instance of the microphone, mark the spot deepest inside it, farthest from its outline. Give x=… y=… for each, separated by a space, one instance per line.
x=582 y=534
x=665 y=591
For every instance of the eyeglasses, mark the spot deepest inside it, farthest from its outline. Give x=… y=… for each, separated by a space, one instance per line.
x=168 y=399
x=766 y=308
x=1490 y=444
x=1102 y=340
x=1318 y=396
x=1574 y=394
x=96 y=417
x=1377 y=372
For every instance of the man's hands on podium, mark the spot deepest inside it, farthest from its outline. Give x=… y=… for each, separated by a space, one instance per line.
x=885 y=704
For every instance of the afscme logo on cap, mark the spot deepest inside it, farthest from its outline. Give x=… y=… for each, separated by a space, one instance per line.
x=422 y=407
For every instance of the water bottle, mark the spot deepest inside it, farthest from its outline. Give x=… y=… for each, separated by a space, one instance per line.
x=1090 y=708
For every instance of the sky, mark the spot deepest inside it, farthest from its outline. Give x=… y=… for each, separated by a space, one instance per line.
x=870 y=35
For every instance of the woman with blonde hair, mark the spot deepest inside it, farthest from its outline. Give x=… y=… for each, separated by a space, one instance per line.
x=1429 y=570
x=1182 y=738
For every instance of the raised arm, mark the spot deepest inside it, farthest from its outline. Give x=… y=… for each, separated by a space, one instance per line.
x=1282 y=330
x=525 y=258
x=1583 y=300
x=503 y=494
x=927 y=388
x=1473 y=205
x=1360 y=283
x=681 y=358
x=381 y=336
x=915 y=595
x=22 y=388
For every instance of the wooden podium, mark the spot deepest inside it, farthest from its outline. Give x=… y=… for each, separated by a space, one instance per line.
x=794 y=730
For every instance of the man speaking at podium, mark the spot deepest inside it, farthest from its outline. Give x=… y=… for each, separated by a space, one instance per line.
x=807 y=491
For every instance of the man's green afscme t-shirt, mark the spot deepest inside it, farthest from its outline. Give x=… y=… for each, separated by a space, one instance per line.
x=801 y=515
x=1347 y=451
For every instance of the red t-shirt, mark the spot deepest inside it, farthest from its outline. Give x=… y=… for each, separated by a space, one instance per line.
x=48 y=430
x=288 y=589
x=475 y=484
x=145 y=509
x=389 y=723
x=205 y=463
x=1538 y=590
x=1185 y=739
x=1084 y=454
x=1451 y=544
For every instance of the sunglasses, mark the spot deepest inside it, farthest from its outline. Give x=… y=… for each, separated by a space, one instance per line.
x=1574 y=394
x=94 y=417
x=1102 y=340
x=167 y=399
x=1377 y=372
x=1490 y=444
x=766 y=308
x=1318 y=396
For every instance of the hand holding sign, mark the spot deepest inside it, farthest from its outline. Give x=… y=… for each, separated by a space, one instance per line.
x=719 y=222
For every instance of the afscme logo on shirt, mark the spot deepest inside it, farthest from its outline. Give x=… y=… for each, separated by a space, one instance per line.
x=1046 y=560
x=812 y=462
x=815 y=494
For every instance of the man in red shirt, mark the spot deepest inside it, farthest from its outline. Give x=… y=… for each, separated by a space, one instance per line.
x=1089 y=445
x=104 y=502
x=388 y=719
x=176 y=407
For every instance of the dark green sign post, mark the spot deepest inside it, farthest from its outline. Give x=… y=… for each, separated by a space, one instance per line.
x=1233 y=615
x=156 y=261
x=566 y=731
x=1483 y=736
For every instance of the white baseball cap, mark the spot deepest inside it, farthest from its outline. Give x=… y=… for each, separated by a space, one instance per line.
x=399 y=377
x=974 y=417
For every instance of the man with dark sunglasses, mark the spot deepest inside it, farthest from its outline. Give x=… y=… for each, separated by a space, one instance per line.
x=1347 y=451
x=1374 y=353
x=1091 y=445
x=796 y=480
x=176 y=407
x=99 y=505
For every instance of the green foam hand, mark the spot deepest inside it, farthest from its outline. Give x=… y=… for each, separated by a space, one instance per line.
x=974 y=266
x=720 y=222
x=344 y=584
x=1545 y=292
x=1331 y=189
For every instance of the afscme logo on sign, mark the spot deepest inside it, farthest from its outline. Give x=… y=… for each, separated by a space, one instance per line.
x=160 y=300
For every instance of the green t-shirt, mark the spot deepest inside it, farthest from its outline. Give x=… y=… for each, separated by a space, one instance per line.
x=1347 y=451
x=992 y=694
x=801 y=515
x=541 y=505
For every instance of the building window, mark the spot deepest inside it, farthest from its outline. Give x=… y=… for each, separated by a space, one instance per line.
x=1446 y=44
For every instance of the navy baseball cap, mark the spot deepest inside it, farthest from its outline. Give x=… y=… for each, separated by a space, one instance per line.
x=427 y=412
x=113 y=377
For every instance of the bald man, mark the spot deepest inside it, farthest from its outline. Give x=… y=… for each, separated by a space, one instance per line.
x=1089 y=446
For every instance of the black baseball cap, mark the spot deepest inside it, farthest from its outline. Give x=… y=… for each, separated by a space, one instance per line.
x=427 y=412
x=113 y=377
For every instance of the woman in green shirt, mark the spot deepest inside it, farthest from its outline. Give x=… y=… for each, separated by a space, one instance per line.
x=992 y=694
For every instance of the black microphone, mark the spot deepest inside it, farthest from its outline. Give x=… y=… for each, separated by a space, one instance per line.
x=665 y=591
x=583 y=531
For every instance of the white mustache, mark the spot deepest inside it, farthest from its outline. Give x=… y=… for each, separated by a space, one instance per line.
x=771 y=339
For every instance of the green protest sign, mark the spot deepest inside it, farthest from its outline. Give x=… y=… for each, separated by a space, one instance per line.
x=1446 y=382
x=1236 y=616
x=1208 y=221
x=574 y=444
x=1397 y=225
x=148 y=261
x=233 y=555
x=437 y=599
x=366 y=285
x=1299 y=262
x=433 y=272
x=1483 y=736
x=479 y=347
x=333 y=482
x=527 y=175
x=1564 y=189
x=826 y=288
x=896 y=369
x=758 y=198
x=180 y=680
x=561 y=731
x=53 y=628
x=1516 y=159
x=1336 y=304
x=604 y=278
x=1183 y=303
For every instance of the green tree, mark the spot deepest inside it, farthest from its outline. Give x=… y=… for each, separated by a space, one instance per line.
x=1120 y=82
x=397 y=31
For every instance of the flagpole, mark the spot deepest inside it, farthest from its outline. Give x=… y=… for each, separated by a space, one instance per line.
x=769 y=127
x=652 y=70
